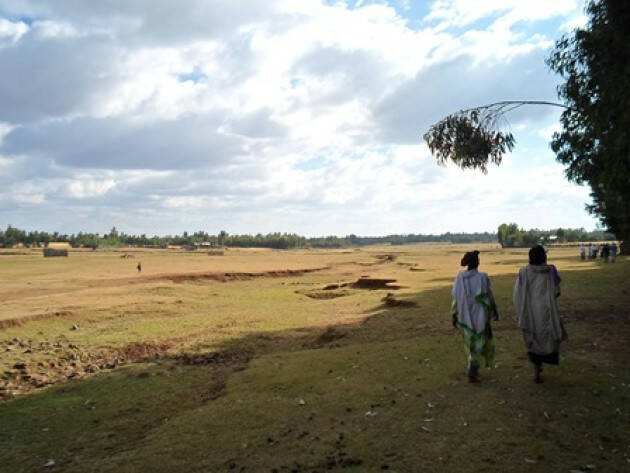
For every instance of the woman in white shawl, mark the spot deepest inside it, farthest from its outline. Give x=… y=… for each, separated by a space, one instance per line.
x=535 y=293
x=473 y=304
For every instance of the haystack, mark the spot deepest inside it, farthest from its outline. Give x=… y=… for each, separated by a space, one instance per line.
x=59 y=245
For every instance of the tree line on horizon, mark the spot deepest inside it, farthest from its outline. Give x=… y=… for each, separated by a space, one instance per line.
x=508 y=235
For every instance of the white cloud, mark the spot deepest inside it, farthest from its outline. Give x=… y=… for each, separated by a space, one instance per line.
x=52 y=29
x=461 y=13
x=577 y=20
x=22 y=194
x=11 y=32
x=183 y=202
x=547 y=132
x=293 y=116
x=5 y=129
x=87 y=188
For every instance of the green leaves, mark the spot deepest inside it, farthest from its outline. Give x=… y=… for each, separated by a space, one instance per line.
x=467 y=139
x=594 y=143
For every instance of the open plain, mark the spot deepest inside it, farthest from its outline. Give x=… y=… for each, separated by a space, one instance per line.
x=300 y=361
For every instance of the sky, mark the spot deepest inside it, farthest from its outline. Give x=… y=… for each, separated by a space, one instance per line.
x=306 y=116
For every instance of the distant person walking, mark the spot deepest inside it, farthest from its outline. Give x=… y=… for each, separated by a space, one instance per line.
x=139 y=267
x=604 y=252
x=473 y=305
x=582 y=252
x=535 y=293
x=612 y=252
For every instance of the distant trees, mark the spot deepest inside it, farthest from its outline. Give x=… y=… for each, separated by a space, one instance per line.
x=333 y=242
x=85 y=240
x=560 y=235
x=12 y=236
x=508 y=235
x=281 y=241
x=511 y=236
x=222 y=236
x=116 y=238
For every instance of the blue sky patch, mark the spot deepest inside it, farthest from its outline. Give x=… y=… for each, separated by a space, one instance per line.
x=195 y=75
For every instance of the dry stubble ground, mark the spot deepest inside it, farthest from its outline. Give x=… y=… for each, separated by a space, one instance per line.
x=243 y=362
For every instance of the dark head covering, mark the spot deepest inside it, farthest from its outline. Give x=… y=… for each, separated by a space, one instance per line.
x=470 y=259
x=537 y=255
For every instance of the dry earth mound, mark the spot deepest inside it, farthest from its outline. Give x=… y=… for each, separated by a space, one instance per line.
x=374 y=283
x=391 y=300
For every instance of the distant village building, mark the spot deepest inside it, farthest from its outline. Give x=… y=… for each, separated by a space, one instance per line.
x=56 y=248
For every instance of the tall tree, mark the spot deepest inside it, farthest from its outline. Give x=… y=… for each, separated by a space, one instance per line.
x=594 y=143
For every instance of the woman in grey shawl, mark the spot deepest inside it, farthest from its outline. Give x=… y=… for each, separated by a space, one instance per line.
x=535 y=293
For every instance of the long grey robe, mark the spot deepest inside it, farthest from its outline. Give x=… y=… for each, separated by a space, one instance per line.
x=535 y=293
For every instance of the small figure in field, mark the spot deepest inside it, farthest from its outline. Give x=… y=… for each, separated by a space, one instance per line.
x=605 y=252
x=582 y=252
x=612 y=252
x=139 y=267
x=535 y=292
x=473 y=305
x=594 y=251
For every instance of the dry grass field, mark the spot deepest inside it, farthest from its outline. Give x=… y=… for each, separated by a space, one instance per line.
x=277 y=361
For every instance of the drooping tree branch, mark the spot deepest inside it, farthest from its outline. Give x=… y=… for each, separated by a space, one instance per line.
x=473 y=137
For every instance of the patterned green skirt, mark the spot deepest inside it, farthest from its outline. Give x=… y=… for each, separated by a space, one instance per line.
x=478 y=346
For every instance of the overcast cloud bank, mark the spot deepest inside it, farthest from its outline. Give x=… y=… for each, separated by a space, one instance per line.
x=271 y=116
